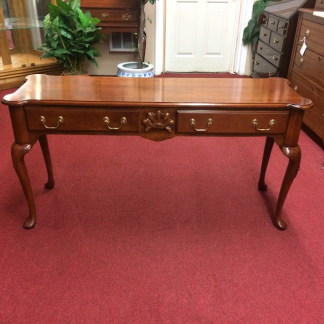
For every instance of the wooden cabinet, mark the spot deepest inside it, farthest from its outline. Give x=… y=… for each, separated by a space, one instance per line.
x=115 y=15
x=21 y=33
x=319 y=5
x=306 y=71
x=276 y=38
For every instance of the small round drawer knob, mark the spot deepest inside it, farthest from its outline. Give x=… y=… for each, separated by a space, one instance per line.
x=276 y=41
x=295 y=88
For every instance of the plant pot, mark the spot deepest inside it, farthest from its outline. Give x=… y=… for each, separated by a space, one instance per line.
x=130 y=70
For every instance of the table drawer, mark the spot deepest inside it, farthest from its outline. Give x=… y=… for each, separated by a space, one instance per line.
x=87 y=119
x=234 y=122
x=115 y=15
x=269 y=54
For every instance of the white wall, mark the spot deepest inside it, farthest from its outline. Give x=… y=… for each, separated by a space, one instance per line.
x=107 y=63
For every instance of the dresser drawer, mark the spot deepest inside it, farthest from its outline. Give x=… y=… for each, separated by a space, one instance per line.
x=319 y=5
x=265 y=35
x=264 y=68
x=235 y=122
x=115 y=15
x=313 y=118
x=60 y=119
x=314 y=36
x=272 y=23
x=116 y=4
x=311 y=66
x=282 y=27
x=269 y=54
x=277 y=42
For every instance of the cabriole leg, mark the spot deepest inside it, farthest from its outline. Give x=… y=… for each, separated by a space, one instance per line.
x=266 y=156
x=17 y=153
x=294 y=156
x=45 y=149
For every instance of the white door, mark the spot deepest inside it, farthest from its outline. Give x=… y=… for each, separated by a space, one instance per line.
x=199 y=35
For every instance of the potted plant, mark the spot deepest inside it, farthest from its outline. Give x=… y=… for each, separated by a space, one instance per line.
x=70 y=35
x=252 y=30
x=139 y=68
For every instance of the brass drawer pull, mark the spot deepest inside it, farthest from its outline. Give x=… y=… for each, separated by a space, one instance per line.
x=280 y=27
x=105 y=15
x=272 y=122
x=60 y=120
x=274 y=57
x=272 y=22
x=123 y=121
x=301 y=61
x=257 y=63
x=307 y=33
x=264 y=34
x=276 y=41
x=193 y=123
x=126 y=17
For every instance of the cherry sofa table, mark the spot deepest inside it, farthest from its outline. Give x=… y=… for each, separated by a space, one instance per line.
x=156 y=109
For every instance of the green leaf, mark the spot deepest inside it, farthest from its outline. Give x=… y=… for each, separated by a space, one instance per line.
x=75 y=4
x=53 y=10
x=46 y=55
x=64 y=7
x=70 y=35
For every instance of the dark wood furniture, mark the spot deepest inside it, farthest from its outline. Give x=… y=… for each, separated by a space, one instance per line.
x=156 y=109
x=306 y=71
x=276 y=38
x=319 y=5
x=115 y=15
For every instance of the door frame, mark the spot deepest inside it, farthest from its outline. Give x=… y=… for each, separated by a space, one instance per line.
x=240 y=53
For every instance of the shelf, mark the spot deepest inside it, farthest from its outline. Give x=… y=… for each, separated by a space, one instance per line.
x=20 y=23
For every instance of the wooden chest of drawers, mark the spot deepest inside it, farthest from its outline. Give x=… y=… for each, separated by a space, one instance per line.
x=276 y=38
x=306 y=71
x=319 y=5
x=115 y=15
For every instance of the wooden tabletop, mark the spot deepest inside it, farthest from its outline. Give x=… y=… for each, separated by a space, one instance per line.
x=207 y=93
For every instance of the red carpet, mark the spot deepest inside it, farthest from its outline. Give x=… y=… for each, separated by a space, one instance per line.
x=199 y=248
